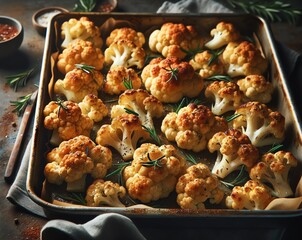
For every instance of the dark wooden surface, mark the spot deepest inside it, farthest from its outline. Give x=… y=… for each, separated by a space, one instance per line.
x=14 y=222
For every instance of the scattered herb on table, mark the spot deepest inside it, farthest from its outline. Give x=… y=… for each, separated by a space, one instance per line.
x=21 y=104
x=273 y=11
x=20 y=79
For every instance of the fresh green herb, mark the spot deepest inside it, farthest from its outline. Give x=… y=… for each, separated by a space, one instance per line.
x=192 y=52
x=85 y=68
x=61 y=105
x=84 y=6
x=271 y=10
x=232 y=117
x=189 y=157
x=185 y=102
x=128 y=83
x=275 y=148
x=21 y=104
x=153 y=134
x=111 y=100
x=20 y=79
x=225 y=78
x=153 y=163
x=173 y=72
x=76 y=198
x=239 y=180
x=119 y=169
x=215 y=54
x=149 y=58
x=129 y=111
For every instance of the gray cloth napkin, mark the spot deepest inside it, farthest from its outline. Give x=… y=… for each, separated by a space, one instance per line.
x=116 y=226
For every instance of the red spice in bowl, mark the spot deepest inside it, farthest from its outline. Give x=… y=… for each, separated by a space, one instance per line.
x=7 y=32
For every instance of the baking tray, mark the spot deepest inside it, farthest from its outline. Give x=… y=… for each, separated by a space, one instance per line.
x=144 y=22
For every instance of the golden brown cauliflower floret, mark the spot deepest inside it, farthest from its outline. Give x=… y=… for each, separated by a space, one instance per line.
x=72 y=160
x=117 y=77
x=197 y=186
x=273 y=171
x=153 y=173
x=262 y=125
x=252 y=196
x=105 y=193
x=243 y=59
x=226 y=95
x=122 y=134
x=80 y=52
x=78 y=83
x=256 y=88
x=124 y=53
x=192 y=127
x=66 y=120
x=200 y=62
x=170 y=79
x=80 y=29
x=126 y=33
x=222 y=35
x=141 y=103
x=174 y=39
x=93 y=107
x=234 y=149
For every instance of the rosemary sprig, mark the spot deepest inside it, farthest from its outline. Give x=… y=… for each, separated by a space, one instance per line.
x=84 y=6
x=232 y=117
x=21 y=104
x=225 y=78
x=128 y=83
x=185 y=102
x=76 y=198
x=215 y=54
x=85 y=68
x=275 y=148
x=61 y=105
x=173 y=72
x=271 y=10
x=19 y=80
x=239 y=180
x=192 y=52
x=119 y=169
x=153 y=163
x=189 y=157
x=153 y=134
x=129 y=111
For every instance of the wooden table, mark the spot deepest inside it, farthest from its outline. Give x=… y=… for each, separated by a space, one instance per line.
x=16 y=223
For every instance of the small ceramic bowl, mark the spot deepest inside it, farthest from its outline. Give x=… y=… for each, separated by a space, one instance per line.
x=106 y=5
x=41 y=18
x=11 y=36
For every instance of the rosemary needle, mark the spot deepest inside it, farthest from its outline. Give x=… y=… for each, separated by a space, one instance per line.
x=21 y=104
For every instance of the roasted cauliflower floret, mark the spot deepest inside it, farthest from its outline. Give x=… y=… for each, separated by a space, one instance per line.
x=252 y=196
x=124 y=53
x=105 y=193
x=93 y=107
x=80 y=29
x=170 y=79
x=191 y=127
x=141 y=103
x=174 y=40
x=256 y=88
x=78 y=83
x=126 y=33
x=273 y=171
x=197 y=186
x=262 y=125
x=117 y=77
x=201 y=62
x=122 y=134
x=72 y=160
x=243 y=59
x=234 y=149
x=226 y=95
x=80 y=52
x=153 y=173
x=222 y=35
x=66 y=120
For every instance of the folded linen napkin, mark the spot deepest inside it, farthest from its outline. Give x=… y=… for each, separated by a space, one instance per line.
x=115 y=226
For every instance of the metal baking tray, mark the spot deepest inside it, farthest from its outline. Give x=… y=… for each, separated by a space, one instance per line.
x=282 y=101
